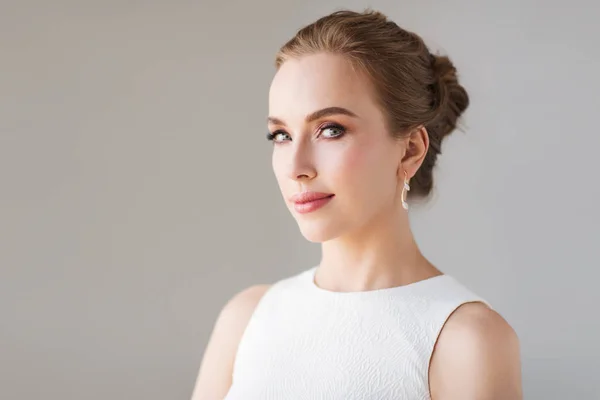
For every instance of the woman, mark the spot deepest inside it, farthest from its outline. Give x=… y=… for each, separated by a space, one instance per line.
x=358 y=110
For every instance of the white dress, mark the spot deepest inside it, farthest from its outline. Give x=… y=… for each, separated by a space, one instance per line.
x=304 y=342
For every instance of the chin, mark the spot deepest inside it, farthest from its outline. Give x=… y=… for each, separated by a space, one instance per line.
x=319 y=231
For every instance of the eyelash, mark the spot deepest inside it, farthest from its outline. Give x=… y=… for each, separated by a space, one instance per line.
x=272 y=136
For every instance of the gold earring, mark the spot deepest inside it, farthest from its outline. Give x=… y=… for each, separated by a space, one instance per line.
x=405 y=190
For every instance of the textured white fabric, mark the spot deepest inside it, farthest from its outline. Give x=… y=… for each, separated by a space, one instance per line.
x=304 y=342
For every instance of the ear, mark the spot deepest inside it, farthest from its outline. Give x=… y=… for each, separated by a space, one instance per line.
x=416 y=145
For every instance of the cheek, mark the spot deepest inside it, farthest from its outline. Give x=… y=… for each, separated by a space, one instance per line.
x=353 y=164
x=366 y=174
x=340 y=167
x=277 y=163
x=360 y=166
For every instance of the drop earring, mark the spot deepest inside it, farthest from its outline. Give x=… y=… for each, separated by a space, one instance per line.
x=405 y=190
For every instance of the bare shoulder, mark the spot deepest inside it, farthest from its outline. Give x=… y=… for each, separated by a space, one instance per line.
x=214 y=377
x=241 y=306
x=477 y=356
x=235 y=315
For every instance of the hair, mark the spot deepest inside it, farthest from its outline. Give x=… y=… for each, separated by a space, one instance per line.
x=412 y=86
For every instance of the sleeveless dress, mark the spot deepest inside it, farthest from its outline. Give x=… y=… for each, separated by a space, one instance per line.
x=304 y=342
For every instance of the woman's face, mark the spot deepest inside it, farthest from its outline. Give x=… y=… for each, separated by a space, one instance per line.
x=345 y=151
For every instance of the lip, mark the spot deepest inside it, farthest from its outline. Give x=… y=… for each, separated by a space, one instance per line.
x=307 y=197
x=306 y=202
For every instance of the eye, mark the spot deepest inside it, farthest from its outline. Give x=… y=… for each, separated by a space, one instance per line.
x=278 y=136
x=332 y=131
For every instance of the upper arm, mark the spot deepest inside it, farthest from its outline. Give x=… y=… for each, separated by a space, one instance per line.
x=477 y=356
x=214 y=377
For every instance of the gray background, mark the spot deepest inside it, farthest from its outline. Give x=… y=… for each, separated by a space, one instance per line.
x=137 y=195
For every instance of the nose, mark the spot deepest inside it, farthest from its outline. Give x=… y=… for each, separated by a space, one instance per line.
x=300 y=163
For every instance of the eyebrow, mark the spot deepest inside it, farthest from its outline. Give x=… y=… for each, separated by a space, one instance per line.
x=324 y=112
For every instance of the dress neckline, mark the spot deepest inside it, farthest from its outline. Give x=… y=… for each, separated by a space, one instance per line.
x=310 y=275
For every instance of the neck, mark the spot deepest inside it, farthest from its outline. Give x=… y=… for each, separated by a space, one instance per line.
x=380 y=255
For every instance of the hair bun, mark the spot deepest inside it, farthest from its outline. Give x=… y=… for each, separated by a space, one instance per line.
x=450 y=99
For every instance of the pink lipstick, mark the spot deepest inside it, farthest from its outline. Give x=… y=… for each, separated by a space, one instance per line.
x=306 y=202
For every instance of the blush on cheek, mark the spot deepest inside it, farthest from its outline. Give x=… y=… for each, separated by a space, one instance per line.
x=366 y=171
x=347 y=169
x=355 y=160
